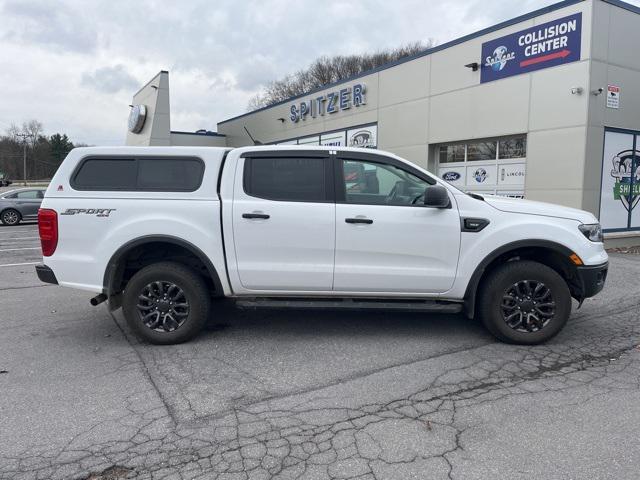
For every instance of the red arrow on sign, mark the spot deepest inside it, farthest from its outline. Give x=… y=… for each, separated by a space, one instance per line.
x=545 y=58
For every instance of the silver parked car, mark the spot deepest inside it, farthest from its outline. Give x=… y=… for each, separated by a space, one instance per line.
x=18 y=205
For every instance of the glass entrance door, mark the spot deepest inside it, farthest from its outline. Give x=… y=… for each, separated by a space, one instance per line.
x=620 y=187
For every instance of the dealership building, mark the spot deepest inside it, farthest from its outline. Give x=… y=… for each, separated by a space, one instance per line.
x=545 y=106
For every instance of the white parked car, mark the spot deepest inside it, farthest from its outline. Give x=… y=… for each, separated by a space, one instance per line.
x=166 y=231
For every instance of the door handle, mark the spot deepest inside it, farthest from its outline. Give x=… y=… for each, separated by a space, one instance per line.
x=263 y=216
x=368 y=221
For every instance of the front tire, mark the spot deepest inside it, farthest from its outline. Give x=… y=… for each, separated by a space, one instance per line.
x=166 y=303
x=10 y=217
x=524 y=302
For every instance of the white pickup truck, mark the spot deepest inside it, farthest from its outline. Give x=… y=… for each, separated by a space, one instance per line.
x=165 y=232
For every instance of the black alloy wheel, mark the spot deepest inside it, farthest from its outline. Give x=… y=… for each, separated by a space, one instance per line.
x=166 y=303
x=524 y=302
x=163 y=306
x=528 y=306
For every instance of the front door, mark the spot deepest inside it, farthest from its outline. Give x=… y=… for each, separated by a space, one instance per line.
x=387 y=241
x=284 y=221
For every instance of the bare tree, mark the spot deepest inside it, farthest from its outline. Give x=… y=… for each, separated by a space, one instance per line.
x=34 y=129
x=44 y=154
x=13 y=131
x=326 y=70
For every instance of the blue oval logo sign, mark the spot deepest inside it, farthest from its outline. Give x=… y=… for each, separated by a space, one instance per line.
x=451 y=176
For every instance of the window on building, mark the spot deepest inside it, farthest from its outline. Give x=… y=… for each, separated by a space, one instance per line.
x=481 y=151
x=140 y=174
x=286 y=179
x=512 y=147
x=451 y=153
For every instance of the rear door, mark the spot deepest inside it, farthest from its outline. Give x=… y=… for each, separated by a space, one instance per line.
x=28 y=202
x=284 y=221
x=387 y=240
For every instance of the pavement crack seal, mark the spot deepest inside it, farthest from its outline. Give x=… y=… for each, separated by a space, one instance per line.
x=112 y=473
x=25 y=287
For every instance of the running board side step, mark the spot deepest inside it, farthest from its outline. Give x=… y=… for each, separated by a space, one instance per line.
x=432 y=306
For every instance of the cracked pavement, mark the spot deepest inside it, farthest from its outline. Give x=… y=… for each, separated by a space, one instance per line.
x=314 y=395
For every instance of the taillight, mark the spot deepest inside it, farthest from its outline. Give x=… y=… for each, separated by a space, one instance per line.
x=48 y=229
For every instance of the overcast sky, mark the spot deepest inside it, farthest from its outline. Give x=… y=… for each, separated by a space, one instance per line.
x=74 y=65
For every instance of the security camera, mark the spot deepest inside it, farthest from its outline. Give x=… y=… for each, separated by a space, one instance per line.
x=576 y=90
x=598 y=91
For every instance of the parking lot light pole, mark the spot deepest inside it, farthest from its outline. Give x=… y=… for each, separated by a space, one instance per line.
x=24 y=137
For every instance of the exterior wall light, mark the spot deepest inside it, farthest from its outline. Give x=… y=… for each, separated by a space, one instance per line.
x=473 y=66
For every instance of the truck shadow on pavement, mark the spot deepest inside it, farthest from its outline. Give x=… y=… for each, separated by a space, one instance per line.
x=340 y=323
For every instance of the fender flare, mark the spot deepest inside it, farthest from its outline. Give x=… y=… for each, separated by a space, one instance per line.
x=113 y=266
x=472 y=287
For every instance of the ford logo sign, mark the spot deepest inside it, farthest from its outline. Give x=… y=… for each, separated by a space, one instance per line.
x=451 y=176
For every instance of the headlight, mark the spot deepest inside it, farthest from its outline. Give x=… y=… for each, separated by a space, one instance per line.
x=593 y=231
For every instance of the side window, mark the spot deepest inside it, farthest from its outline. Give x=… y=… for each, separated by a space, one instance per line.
x=140 y=174
x=107 y=174
x=380 y=184
x=169 y=174
x=28 y=195
x=293 y=179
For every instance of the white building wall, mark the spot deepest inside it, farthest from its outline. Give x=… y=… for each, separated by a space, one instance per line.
x=155 y=97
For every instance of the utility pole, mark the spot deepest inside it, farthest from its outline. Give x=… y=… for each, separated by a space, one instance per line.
x=24 y=137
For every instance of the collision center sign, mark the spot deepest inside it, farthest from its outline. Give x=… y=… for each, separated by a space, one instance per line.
x=546 y=45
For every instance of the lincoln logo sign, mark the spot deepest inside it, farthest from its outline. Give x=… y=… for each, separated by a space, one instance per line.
x=329 y=103
x=547 y=45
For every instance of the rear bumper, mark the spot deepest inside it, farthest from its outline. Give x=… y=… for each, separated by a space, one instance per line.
x=591 y=278
x=46 y=275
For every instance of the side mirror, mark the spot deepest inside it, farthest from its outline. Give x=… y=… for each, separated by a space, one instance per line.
x=436 y=196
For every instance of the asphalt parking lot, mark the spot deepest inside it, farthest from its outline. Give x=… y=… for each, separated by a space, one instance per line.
x=293 y=394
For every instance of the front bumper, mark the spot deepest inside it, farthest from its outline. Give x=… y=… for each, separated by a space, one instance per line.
x=46 y=275
x=591 y=279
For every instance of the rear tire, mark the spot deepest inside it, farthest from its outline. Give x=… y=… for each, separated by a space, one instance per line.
x=524 y=302
x=166 y=303
x=10 y=217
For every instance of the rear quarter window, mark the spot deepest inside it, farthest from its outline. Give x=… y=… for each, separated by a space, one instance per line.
x=166 y=174
x=289 y=179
